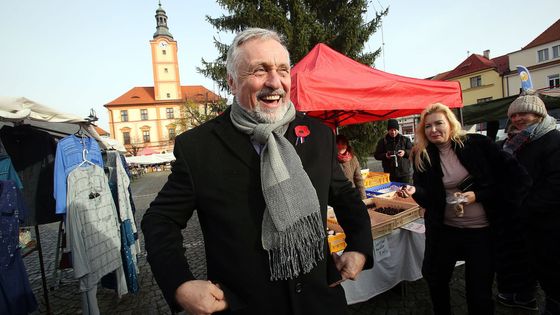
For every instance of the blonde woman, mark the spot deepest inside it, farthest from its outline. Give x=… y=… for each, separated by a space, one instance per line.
x=460 y=180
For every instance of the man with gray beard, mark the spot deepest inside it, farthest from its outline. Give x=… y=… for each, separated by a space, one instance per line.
x=260 y=176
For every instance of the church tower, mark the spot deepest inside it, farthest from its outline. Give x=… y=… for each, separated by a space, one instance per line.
x=167 y=85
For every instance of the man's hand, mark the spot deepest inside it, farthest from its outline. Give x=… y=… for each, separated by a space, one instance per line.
x=349 y=264
x=400 y=153
x=199 y=297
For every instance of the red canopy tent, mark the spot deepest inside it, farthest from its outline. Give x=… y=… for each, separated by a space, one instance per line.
x=146 y=151
x=341 y=91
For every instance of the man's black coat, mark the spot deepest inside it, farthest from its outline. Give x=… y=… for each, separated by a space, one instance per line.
x=217 y=173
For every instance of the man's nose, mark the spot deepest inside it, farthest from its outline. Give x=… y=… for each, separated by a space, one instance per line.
x=273 y=80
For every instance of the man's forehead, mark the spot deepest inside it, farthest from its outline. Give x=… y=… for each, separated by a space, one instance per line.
x=271 y=52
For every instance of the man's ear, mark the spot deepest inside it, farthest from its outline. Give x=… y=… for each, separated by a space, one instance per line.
x=232 y=85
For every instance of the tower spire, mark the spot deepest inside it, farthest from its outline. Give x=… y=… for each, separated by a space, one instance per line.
x=161 y=23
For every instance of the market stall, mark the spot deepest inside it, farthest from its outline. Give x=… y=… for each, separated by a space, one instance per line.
x=341 y=91
x=44 y=150
x=398 y=257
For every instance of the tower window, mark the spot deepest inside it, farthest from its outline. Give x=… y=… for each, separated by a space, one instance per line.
x=165 y=70
x=144 y=114
x=168 y=95
x=164 y=52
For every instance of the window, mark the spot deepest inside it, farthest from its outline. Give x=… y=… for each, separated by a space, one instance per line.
x=165 y=70
x=554 y=81
x=169 y=113
x=146 y=135
x=126 y=137
x=172 y=134
x=144 y=114
x=168 y=95
x=124 y=115
x=483 y=100
x=556 y=51
x=164 y=52
x=476 y=81
x=542 y=55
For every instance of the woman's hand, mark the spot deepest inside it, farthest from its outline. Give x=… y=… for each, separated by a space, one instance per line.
x=469 y=196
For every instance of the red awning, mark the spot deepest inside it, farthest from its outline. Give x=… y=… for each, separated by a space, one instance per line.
x=146 y=151
x=341 y=91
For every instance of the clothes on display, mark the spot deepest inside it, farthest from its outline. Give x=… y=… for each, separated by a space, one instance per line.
x=32 y=153
x=7 y=170
x=93 y=232
x=100 y=226
x=71 y=152
x=119 y=183
x=16 y=296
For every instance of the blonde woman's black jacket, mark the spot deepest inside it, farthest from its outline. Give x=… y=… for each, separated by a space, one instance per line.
x=501 y=183
x=217 y=173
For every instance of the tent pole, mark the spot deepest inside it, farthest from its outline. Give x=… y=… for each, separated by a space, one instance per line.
x=461 y=115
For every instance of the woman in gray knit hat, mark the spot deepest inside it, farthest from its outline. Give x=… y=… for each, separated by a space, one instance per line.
x=535 y=142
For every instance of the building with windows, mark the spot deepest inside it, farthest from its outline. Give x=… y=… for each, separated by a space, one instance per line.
x=542 y=58
x=480 y=77
x=146 y=117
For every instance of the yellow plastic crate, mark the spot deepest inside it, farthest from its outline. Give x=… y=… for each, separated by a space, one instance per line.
x=376 y=178
x=337 y=242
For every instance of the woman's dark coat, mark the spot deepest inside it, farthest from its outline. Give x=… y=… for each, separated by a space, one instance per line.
x=217 y=173
x=500 y=182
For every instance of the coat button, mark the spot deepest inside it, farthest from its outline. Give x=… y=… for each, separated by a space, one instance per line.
x=299 y=287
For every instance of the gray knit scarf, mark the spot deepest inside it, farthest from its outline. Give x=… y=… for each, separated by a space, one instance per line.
x=292 y=228
x=531 y=133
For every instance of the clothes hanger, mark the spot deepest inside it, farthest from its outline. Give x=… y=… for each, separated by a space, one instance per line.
x=84 y=158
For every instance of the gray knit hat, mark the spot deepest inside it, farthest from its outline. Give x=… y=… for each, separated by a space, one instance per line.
x=527 y=102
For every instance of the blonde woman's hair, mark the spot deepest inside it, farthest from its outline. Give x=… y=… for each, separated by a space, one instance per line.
x=456 y=133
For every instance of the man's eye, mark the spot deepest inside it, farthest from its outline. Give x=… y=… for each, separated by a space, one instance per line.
x=259 y=71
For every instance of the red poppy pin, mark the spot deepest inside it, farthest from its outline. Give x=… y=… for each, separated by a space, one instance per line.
x=301 y=131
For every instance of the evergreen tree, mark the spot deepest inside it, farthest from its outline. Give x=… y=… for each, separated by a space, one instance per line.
x=339 y=24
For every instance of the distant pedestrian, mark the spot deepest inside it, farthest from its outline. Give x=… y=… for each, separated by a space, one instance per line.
x=535 y=142
x=350 y=164
x=462 y=180
x=393 y=151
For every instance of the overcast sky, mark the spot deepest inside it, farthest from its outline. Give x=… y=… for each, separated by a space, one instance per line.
x=77 y=55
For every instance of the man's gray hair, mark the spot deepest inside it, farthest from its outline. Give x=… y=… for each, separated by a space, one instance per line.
x=243 y=37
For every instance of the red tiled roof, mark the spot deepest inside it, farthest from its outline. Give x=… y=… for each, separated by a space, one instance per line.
x=101 y=131
x=475 y=63
x=501 y=63
x=145 y=95
x=439 y=76
x=549 y=35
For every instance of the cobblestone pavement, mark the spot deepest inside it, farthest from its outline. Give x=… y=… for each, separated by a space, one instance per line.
x=409 y=298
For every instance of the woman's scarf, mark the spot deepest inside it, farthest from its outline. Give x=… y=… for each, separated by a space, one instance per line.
x=292 y=227
x=517 y=139
x=344 y=157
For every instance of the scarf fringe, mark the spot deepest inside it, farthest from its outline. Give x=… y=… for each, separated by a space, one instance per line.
x=299 y=248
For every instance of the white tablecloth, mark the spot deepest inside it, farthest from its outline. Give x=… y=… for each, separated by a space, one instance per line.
x=406 y=250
